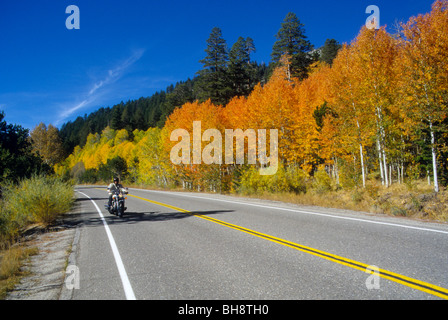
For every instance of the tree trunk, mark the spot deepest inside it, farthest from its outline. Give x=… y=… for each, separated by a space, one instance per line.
x=434 y=158
x=386 y=178
x=361 y=154
x=379 y=160
x=362 y=166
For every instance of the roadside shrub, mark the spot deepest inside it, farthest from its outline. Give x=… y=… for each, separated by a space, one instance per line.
x=357 y=195
x=322 y=181
x=286 y=179
x=297 y=179
x=253 y=182
x=372 y=189
x=39 y=199
x=349 y=176
x=10 y=222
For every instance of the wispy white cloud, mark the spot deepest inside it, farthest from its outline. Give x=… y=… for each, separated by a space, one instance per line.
x=67 y=112
x=91 y=95
x=114 y=74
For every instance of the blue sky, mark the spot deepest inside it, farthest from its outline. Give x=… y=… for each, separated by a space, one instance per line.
x=128 y=49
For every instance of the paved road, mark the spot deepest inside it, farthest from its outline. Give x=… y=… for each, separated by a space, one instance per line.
x=173 y=245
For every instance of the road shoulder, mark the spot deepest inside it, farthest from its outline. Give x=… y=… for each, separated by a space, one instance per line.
x=46 y=270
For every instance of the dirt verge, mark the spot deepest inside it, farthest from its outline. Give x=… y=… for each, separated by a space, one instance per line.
x=46 y=275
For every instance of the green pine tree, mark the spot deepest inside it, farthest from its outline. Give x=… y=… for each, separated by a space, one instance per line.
x=213 y=82
x=329 y=51
x=291 y=40
x=241 y=71
x=115 y=122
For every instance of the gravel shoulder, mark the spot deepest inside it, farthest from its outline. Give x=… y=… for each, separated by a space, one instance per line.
x=46 y=271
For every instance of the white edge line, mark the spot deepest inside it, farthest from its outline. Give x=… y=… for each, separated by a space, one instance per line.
x=123 y=275
x=303 y=211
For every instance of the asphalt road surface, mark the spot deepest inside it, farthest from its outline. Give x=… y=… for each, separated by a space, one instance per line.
x=176 y=245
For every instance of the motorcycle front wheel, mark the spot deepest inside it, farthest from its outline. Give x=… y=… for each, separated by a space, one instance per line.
x=121 y=210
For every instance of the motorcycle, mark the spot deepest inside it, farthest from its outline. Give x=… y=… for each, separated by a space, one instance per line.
x=118 y=203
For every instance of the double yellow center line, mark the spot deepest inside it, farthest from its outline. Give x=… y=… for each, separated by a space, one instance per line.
x=406 y=281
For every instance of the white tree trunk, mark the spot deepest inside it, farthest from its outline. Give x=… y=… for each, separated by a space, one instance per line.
x=379 y=160
x=362 y=166
x=386 y=178
x=434 y=158
x=361 y=153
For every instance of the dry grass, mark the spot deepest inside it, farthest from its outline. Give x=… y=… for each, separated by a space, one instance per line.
x=11 y=261
x=415 y=201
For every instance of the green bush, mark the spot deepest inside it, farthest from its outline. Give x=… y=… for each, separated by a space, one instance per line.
x=253 y=182
x=40 y=199
x=297 y=179
x=290 y=179
x=11 y=221
x=349 y=176
x=322 y=181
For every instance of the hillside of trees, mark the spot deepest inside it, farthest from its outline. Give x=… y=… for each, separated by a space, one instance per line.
x=17 y=157
x=362 y=117
x=375 y=111
x=226 y=73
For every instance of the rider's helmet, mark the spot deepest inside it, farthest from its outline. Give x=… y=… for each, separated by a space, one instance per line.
x=116 y=179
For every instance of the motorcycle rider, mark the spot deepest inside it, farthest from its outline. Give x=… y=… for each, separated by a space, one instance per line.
x=114 y=187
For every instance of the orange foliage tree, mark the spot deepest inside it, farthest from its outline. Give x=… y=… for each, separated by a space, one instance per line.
x=361 y=113
x=195 y=118
x=425 y=70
